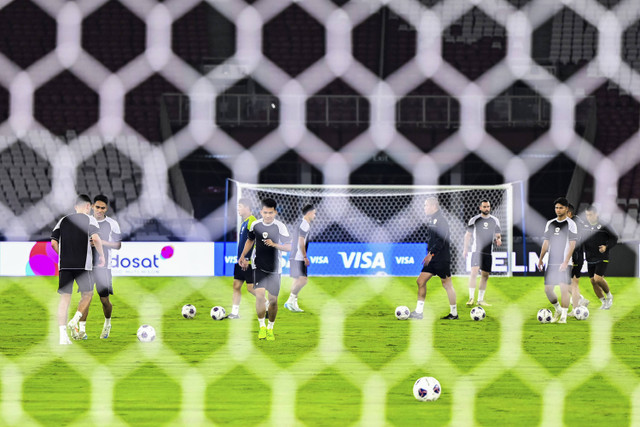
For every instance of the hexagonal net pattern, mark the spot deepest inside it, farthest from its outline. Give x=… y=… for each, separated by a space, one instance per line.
x=385 y=214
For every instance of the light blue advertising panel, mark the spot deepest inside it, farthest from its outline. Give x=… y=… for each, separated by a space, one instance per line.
x=343 y=259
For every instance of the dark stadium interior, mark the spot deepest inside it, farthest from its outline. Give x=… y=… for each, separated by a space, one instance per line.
x=336 y=114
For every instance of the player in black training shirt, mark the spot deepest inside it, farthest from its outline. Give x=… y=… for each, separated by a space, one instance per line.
x=71 y=240
x=438 y=259
x=599 y=239
x=482 y=230
x=270 y=237
x=560 y=236
x=577 y=299
x=110 y=236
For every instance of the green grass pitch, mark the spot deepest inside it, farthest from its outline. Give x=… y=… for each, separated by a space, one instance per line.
x=346 y=360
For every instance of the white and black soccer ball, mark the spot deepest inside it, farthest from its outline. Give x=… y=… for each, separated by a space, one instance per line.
x=218 y=313
x=146 y=333
x=402 y=312
x=582 y=313
x=477 y=313
x=426 y=389
x=544 y=315
x=188 y=311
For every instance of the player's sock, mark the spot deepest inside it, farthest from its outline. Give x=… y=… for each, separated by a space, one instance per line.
x=420 y=306
x=453 y=309
x=270 y=325
x=262 y=324
x=63 y=332
x=235 y=309
x=481 y=295
x=557 y=306
x=107 y=321
x=609 y=295
x=291 y=299
x=563 y=314
x=83 y=326
x=603 y=299
x=76 y=317
x=472 y=293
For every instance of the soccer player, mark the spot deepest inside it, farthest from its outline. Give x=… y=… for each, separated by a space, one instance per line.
x=560 y=236
x=110 y=237
x=578 y=259
x=242 y=274
x=70 y=238
x=270 y=236
x=298 y=258
x=482 y=230
x=599 y=239
x=438 y=259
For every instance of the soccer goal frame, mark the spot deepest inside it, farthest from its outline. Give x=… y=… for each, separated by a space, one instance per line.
x=379 y=215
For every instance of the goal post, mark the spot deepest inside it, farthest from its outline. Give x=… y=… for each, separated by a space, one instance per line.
x=380 y=229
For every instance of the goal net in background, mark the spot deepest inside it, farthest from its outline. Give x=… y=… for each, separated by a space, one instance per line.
x=381 y=220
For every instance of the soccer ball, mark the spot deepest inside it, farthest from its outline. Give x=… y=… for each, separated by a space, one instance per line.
x=146 y=333
x=544 y=315
x=402 y=312
x=477 y=313
x=188 y=311
x=427 y=389
x=581 y=313
x=218 y=313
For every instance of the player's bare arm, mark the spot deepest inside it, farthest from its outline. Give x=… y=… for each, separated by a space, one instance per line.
x=498 y=239
x=565 y=264
x=543 y=252
x=97 y=243
x=54 y=245
x=242 y=262
x=303 y=250
x=467 y=240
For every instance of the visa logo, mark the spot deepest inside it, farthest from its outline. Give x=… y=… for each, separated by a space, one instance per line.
x=404 y=260
x=231 y=259
x=363 y=260
x=319 y=259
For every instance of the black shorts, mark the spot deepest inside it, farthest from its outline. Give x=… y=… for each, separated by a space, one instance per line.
x=553 y=276
x=575 y=271
x=298 y=268
x=267 y=280
x=102 y=279
x=598 y=268
x=244 y=275
x=82 y=278
x=441 y=269
x=481 y=259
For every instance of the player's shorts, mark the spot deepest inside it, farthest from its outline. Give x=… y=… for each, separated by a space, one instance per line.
x=244 y=275
x=298 y=269
x=575 y=270
x=482 y=260
x=102 y=279
x=442 y=269
x=599 y=268
x=267 y=280
x=553 y=276
x=81 y=277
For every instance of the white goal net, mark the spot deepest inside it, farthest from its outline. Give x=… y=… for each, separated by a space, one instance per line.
x=387 y=214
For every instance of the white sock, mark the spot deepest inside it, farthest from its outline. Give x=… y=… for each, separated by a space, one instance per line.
x=609 y=295
x=292 y=298
x=270 y=325
x=262 y=324
x=472 y=292
x=63 y=331
x=83 y=326
x=563 y=313
x=235 y=309
x=107 y=321
x=420 y=306
x=481 y=295
x=76 y=317
x=557 y=306
x=454 y=309
x=603 y=299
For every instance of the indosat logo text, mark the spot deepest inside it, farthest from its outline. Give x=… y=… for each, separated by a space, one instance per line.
x=118 y=261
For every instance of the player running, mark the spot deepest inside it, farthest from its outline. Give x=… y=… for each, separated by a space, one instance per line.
x=560 y=236
x=270 y=237
x=298 y=258
x=599 y=239
x=578 y=259
x=438 y=259
x=482 y=230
